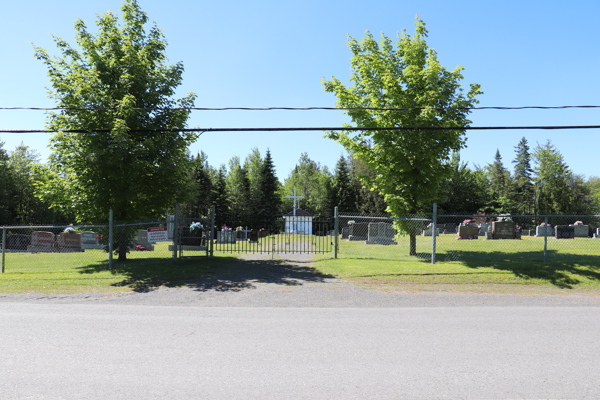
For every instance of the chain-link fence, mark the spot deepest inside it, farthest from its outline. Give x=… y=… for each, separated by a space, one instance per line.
x=475 y=240
x=385 y=237
x=81 y=246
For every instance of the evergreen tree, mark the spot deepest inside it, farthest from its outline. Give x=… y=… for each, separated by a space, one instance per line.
x=521 y=192
x=238 y=189
x=200 y=205
x=221 y=198
x=342 y=190
x=552 y=194
x=6 y=188
x=270 y=199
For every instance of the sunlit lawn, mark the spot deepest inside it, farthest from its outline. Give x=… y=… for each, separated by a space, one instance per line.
x=572 y=264
x=462 y=265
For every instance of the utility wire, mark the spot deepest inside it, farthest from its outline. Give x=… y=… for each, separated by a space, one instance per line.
x=388 y=128
x=299 y=108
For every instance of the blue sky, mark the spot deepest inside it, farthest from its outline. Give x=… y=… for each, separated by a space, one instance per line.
x=267 y=53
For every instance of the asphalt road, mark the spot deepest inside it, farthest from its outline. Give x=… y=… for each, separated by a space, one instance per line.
x=133 y=351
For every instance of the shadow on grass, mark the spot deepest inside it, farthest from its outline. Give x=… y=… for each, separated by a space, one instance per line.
x=204 y=274
x=561 y=269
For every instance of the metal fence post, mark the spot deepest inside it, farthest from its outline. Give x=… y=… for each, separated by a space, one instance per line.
x=336 y=227
x=433 y=233
x=212 y=229
x=110 y=238
x=175 y=232
x=3 y=246
x=545 y=239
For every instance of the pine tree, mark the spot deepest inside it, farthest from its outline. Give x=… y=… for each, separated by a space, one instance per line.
x=270 y=199
x=221 y=198
x=345 y=198
x=522 y=193
x=199 y=206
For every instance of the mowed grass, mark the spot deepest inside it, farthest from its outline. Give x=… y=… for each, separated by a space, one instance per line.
x=88 y=272
x=505 y=266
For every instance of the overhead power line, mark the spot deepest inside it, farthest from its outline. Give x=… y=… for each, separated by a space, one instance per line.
x=288 y=129
x=299 y=108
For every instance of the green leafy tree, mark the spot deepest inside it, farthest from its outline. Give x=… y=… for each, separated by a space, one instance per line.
x=461 y=192
x=309 y=179
x=123 y=72
x=552 y=176
x=409 y=165
x=238 y=189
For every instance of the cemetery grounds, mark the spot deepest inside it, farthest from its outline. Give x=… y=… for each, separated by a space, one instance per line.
x=494 y=266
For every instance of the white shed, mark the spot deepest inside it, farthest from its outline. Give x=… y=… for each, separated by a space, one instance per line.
x=301 y=223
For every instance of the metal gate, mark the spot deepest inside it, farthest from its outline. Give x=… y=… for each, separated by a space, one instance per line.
x=278 y=234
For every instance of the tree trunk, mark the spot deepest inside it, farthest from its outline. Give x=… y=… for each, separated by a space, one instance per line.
x=413 y=244
x=122 y=245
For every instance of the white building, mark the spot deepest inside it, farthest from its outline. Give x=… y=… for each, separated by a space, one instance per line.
x=301 y=223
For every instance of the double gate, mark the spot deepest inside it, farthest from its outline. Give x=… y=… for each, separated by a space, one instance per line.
x=279 y=234
x=274 y=234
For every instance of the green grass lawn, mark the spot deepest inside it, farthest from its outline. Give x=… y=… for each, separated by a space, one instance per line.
x=472 y=265
x=88 y=271
x=511 y=266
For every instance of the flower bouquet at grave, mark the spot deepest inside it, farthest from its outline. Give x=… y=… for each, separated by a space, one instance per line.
x=544 y=224
x=192 y=236
x=578 y=223
x=70 y=229
x=225 y=228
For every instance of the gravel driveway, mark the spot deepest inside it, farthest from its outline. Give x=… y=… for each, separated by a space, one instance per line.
x=288 y=280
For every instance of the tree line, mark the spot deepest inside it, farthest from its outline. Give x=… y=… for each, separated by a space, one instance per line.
x=249 y=192
x=539 y=182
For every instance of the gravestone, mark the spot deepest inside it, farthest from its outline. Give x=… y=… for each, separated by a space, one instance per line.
x=89 y=240
x=17 y=242
x=320 y=233
x=253 y=236
x=381 y=233
x=488 y=236
x=429 y=231
x=68 y=242
x=449 y=228
x=597 y=234
x=359 y=231
x=564 y=232
x=581 y=230
x=483 y=228
x=41 y=242
x=504 y=230
x=226 y=237
x=525 y=232
x=468 y=232
x=345 y=232
x=141 y=239
x=263 y=233
x=541 y=231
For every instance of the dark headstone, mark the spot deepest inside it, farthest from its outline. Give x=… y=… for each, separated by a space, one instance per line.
x=449 y=228
x=504 y=230
x=345 y=232
x=253 y=236
x=564 y=232
x=468 y=232
x=359 y=231
x=17 y=242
